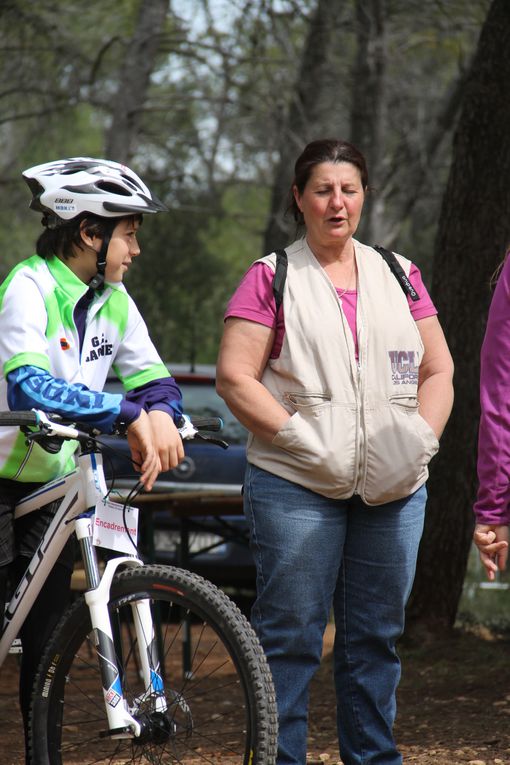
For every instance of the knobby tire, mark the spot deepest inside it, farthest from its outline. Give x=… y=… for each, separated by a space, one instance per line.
x=221 y=704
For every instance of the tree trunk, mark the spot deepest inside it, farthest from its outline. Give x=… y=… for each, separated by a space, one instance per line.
x=368 y=116
x=474 y=230
x=134 y=80
x=300 y=124
x=421 y=169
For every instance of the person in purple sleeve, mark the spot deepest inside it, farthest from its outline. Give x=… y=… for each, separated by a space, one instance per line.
x=492 y=506
x=66 y=320
x=345 y=389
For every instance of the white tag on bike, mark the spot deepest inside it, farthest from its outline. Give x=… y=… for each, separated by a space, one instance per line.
x=109 y=529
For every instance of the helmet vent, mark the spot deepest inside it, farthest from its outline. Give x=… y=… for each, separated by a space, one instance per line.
x=74 y=167
x=112 y=188
x=131 y=182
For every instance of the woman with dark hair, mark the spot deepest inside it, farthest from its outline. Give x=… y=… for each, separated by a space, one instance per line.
x=345 y=389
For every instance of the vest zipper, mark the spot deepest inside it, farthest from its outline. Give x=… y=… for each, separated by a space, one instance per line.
x=360 y=440
x=356 y=376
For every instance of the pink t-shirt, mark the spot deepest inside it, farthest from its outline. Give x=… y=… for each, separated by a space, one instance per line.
x=254 y=300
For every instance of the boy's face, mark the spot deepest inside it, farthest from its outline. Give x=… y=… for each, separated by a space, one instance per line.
x=122 y=249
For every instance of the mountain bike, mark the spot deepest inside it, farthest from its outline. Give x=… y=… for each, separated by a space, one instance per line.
x=151 y=664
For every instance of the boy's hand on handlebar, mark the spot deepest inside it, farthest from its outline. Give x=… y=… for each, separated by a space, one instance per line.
x=166 y=439
x=143 y=450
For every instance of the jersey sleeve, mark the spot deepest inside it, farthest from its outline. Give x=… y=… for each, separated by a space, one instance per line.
x=147 y=381
x=137 y=361
x=25 y=343
x=30 y=387
x=163 y=394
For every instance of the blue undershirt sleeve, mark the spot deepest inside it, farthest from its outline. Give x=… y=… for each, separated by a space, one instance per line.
x=163 y=394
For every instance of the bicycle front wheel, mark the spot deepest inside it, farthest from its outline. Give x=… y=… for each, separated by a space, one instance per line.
x=219 y=694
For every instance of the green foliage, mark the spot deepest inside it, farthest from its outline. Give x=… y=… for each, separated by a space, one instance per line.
x=211 y=126
x=192 y=259
x=72 y=133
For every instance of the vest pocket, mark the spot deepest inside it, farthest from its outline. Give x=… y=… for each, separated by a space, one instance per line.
x=307 y=402
x=399 y=447
x=316 y=448
x=410 y=405
x=407 y=401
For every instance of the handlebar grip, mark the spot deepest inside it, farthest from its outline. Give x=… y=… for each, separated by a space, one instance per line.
x=213 y=424
x=18 y=418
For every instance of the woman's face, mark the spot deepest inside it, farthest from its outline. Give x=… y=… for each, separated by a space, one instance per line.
x=331 y=203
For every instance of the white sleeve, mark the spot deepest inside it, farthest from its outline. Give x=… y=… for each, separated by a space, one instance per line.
x=23 y=322
x=137 y=361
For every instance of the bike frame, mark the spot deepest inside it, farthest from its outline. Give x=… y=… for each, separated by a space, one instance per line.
x=81 y=490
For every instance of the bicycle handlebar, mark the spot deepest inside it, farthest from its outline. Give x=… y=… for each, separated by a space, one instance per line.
x=213 y=424
x=54 y=426
x=19 y=419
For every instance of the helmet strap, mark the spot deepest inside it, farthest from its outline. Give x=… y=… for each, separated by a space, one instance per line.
x=51 y=221
x=97 y=281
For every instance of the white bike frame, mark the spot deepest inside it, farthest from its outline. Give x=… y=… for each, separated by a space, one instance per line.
x=81 y=490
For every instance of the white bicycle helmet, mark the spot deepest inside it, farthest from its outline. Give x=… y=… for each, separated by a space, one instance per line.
x=67 y=188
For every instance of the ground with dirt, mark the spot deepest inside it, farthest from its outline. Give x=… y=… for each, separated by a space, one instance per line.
x=454 y=706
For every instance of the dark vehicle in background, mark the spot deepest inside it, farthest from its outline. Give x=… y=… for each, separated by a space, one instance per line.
x=193 y=516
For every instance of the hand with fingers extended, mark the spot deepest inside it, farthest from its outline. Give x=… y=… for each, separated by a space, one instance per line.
x=143 y=450
x=492 y=543
x=166 y=438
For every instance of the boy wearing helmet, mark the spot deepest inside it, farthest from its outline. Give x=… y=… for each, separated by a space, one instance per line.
x=65 y=321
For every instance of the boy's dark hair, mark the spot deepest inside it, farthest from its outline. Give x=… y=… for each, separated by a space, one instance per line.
x=60 y=240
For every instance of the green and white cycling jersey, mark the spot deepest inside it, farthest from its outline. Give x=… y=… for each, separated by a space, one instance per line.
x=37 y=329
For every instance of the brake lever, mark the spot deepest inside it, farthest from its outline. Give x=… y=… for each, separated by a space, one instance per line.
x=189 y=432
x=50 y=444
x=212 y=440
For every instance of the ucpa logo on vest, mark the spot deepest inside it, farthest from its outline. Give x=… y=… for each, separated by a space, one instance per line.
x=404 y=370
x=100 y=347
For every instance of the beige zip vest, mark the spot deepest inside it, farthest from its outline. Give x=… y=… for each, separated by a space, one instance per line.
x=355 y=427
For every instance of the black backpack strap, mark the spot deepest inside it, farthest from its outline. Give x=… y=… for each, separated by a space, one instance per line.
x=398 y=271
x=279 y=278
x=280 y=274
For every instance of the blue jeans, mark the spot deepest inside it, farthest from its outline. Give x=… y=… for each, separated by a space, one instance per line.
x=313 y=553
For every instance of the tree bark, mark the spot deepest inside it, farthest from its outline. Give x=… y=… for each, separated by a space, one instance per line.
x=134 y=80
x=474 y=230
x=422 y=170
x=368 y=115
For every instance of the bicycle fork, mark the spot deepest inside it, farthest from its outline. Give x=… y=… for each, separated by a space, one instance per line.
x=121 y=722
